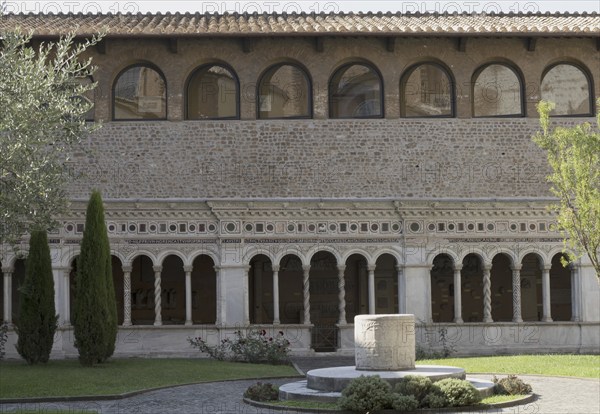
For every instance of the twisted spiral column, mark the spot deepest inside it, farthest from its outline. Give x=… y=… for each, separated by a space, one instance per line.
x=342 y=294
x=487 y=293
x=157 y=296
x=306 y=284
x=516 y=285
x=126 y=295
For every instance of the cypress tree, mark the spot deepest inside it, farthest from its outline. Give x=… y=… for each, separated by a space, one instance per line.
x=95 y=316
x=37 y=315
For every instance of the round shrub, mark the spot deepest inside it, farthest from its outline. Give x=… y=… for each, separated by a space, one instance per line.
x=262 y=392
x=404 y=402
x=364 y=394
x=511 y=385
x=458 y=392
x=415 y=385
x=434 y=399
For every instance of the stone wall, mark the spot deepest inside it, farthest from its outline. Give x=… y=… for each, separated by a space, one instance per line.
x=461 y=158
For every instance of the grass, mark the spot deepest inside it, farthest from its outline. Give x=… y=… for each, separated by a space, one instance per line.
x=495 y=399
x=69 y=378
x=583 y=366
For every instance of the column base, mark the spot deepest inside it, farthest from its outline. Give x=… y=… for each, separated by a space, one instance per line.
x=158 y=323
x=488 y=320
x=517 y=320
x=126 y=324
x=188 y=323
x=547 y=320
x=458 y=320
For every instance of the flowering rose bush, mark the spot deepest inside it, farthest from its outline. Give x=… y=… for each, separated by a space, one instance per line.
x=255 y=347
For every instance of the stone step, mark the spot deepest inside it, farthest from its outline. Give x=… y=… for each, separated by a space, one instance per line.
x=337 y=378
x=299 y=391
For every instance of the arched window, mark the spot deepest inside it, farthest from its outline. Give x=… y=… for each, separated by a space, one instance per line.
x=140 y=92
x=497 y=91
x=213 y=93
x=427 y=90
x=569 y=88
x=284 y=91
x=356 y=91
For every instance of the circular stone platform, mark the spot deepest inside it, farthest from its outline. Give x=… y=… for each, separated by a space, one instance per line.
x=336 y=379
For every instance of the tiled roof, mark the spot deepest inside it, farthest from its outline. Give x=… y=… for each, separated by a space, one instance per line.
x=306 y=24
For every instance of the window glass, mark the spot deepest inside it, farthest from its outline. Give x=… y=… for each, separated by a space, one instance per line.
x=497 y=92
x=355 y=91
x=212 y=94
x=284 y=92
x=568 y=87
x=427 y=92
x=140 y=93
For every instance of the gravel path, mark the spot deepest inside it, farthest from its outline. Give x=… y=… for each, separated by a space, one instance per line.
x=556 y=395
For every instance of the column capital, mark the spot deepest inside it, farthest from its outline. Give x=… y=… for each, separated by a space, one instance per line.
x=157 y=268
x=341 y=268
x=487 y=267
x=517 y=266
x=127 y=268
x=61 y=268
x=545 y=267
x=458 y=267
x=275 y=268
x=8 y=269
x=188 y=268
x=371 y=267
x=306 y=268
x=399 y=268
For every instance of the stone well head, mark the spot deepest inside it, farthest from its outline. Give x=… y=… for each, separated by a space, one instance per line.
x=384 y=342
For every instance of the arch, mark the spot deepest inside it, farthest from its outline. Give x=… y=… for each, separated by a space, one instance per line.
x=427 y=89
x=498 y=91
x=324 y=293
x=146 y=253
x=173 y=290
x=386 y=284
x=312 y=252
x=561 y=301
x=204 y=252
x=293 y=251
x=531 y=287
x=472 y=287
x=122 y=258
x=204 y=289
x=284 y=90
x=501 y=287
x=442 y=288
x=142 y=289
x=356 y=289
x=505 y=251
x=354 y=251
x=212 y=91
x=474 y=251
x=356 y=91
x=387 y=250
x=260 y=289
x=534 y=251
x=70 y=255
x=139 y=92
x=432 y=255
x=291 y=274
x=570 y=86
x=171 y=252
x=255 y=251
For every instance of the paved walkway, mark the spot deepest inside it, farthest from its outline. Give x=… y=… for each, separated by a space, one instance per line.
x=557 y=395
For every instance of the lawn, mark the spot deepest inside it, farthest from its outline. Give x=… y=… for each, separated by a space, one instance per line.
x=69 y=378
x=584 y=366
